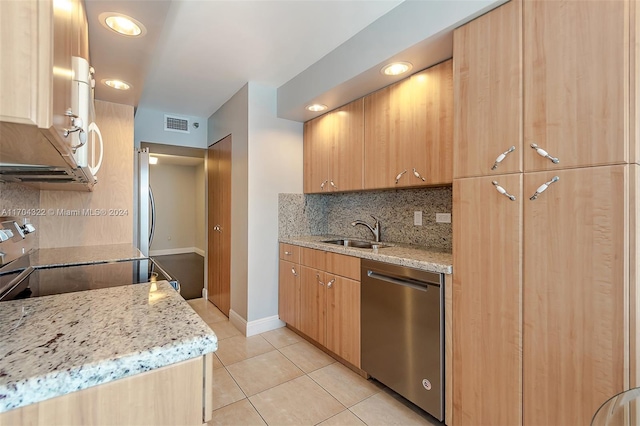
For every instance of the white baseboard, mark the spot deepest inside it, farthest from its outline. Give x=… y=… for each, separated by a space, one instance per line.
x=182 y=250
x=205 y=294
x=254 y=327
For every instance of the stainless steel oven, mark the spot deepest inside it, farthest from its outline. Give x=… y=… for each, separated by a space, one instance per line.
x=20 y=282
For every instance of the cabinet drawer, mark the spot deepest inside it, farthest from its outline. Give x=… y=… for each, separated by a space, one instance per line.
x=345 y=266
x=290 y=253
x=313 y=258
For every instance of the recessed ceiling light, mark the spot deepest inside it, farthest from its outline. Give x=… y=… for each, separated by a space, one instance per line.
x=153 y=160
x=316 y=107
x=116 y=84
x=122 y=24
x=396 y=68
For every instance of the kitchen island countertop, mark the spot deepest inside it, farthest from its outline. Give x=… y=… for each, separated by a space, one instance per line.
x=398 y=254
x=55 y=345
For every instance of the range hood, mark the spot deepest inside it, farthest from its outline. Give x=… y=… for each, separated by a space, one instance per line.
x=47 y=177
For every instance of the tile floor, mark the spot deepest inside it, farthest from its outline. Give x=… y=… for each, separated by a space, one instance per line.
x=277 y=378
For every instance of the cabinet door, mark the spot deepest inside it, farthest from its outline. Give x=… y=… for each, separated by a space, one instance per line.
x=574 y=293
x=312 y=303
x=343 y=318
x=387 y=128
x=488 y=93
x=487 y=331
x=63 y=26
x=576 y=61
x=318 y=138
x=430 y=150
x=289 y=293
x=80 y=31
x=346 y=159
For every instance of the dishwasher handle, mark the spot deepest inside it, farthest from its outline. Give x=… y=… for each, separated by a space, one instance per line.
x=416 y=285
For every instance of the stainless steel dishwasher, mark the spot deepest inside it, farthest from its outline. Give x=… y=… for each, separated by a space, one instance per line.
x=402 y=314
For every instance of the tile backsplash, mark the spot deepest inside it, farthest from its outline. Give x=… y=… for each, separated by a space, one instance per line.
x=320 y=214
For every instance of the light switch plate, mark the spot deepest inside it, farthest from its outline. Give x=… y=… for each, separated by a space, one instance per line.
x=417 y=218
x=443 y=217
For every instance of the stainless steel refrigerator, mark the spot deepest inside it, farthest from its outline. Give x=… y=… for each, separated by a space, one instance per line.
x=144 y=205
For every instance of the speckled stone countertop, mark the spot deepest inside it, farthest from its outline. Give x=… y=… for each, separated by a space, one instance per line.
x=81 y=255
x=69 y=342
x=397 y=254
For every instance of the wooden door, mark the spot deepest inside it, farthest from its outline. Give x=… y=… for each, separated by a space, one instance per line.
x=576 y=61
x=343 y=318
x=574 y=293
x=318 y=138
x=430 y=150
x=346 y=159
x=289 y=293
x=487 y=285
x=312 y=303
x=488 y=93
x=388 y=125
x=219 y=222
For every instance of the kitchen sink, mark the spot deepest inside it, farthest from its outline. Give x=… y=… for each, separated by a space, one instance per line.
x=356 y=244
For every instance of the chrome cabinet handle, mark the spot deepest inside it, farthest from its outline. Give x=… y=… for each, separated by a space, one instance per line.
x=287 y=253
x=318 y=278
x=293 y=271
x=333 y=184
x=502 y=157
x=544 y=187
x=322 y=185
x=544 y=153
x=416 y=174
x=330 y=283
x=399 y=176
x=503 y=191
x=217 y=228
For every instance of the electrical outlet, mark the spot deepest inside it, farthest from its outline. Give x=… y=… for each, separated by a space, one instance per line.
x=417 y=218
x=443 y=217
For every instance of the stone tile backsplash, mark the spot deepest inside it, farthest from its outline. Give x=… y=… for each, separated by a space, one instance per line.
x=320 y=214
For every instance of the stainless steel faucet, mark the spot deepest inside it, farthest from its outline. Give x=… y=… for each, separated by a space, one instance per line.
x=375 y=229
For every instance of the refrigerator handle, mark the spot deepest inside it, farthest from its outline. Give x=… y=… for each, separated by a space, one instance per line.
x=153 y=216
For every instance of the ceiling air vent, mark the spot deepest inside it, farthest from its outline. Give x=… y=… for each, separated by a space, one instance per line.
x=176 y=124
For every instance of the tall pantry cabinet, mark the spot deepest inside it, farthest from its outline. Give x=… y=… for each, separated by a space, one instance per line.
x=541 y=212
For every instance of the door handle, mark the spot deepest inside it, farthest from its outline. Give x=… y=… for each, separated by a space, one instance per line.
x=545 y=154
x=502 y=157
x=503 y=191
x=543 y=188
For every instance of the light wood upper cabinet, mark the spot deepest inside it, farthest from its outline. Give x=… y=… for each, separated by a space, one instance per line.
x=574 y=293
x=487 y=325
x=488 y=93
x=576 y=82
x=333 y=150
x=343 y=318
x=409 y=131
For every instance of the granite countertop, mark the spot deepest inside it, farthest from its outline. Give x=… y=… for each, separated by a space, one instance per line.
x=82 y=255
x=55 y=345
x=398 y=254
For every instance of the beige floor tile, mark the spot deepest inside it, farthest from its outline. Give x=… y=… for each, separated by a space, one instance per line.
x=216 y=362
x=383 y=409
x=298 y=402
x=263 y=372
x=224 y=330
x=306 y=356
x=238 y=413
x=207 y=310
x=239 y=348
x=345 y=385
x=346 y=418
x=225 y=389
x=281 y=337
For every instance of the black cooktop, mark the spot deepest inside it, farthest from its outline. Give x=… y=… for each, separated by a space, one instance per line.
x=23 y=283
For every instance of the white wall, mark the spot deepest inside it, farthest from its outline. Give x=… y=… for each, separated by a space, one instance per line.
x=174 y=191
x=232 y=119
x=149 y=127
x=200 y=207
x=275 y=166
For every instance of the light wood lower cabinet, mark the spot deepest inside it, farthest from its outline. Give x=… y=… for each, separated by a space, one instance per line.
x=178 y=394
x=327 y=302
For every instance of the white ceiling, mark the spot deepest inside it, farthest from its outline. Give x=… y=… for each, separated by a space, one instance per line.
x=198 y=53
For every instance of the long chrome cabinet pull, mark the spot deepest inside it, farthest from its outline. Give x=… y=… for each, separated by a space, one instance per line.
x=293 y=271
x=322 y=184
x=503 y=191
x=543 y=187
x=544 y=153
x=502 y=157
x=399 y=176
x=416 y=174
x=333 y=184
